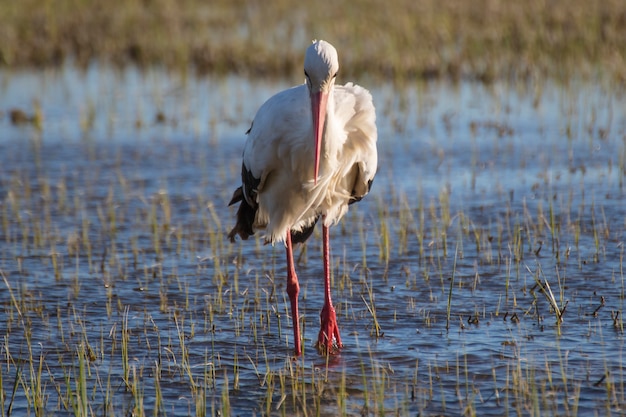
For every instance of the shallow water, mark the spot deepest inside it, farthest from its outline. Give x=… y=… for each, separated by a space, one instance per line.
x=114 y=254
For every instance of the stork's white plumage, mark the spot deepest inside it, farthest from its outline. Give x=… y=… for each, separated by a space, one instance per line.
x=311 y=151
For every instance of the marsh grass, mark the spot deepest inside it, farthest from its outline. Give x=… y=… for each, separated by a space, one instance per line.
x=121 y=296
x=481 y=40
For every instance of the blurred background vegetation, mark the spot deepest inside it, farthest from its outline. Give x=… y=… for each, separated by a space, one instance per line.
x=479 y=39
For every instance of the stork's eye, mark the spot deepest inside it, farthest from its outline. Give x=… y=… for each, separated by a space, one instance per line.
x=335 y=76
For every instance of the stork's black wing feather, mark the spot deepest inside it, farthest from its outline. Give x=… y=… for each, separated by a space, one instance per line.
x=246 y=194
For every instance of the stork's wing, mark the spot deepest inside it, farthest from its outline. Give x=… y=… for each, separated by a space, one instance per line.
x=282 y=124
x=277 y=129
x=355 y=107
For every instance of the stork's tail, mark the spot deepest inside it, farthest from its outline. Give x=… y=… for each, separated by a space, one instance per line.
x=245 y=220
x=301 y=236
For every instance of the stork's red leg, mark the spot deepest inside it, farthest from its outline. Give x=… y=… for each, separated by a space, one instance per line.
x=293 y=288
x=328 y=339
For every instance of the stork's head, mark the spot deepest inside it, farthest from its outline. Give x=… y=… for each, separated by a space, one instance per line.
x=320 y=68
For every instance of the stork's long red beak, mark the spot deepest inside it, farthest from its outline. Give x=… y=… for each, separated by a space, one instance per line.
x=318 y=108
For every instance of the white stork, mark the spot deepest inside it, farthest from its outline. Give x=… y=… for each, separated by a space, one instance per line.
x=311 y=151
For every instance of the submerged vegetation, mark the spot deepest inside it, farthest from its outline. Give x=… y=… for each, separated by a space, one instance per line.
x=482 y=39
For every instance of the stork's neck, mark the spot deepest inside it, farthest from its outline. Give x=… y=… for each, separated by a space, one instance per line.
x=330 y=119
x=330 y=135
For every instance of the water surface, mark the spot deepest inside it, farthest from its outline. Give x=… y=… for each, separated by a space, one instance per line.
x=114 y=220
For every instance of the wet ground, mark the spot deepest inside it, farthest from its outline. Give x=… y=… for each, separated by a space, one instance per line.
x=120 y=285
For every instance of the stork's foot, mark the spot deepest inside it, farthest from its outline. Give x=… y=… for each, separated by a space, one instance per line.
x=328 y=340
